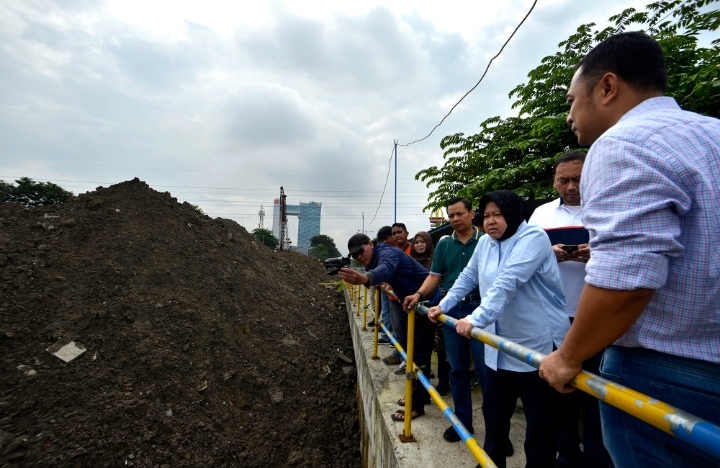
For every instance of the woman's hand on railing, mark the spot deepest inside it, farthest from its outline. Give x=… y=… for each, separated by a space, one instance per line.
x=463 y=327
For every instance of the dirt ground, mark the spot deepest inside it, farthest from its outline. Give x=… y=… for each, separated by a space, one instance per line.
x=204 y=347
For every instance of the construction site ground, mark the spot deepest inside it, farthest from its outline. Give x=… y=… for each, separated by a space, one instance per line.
x=202 y=346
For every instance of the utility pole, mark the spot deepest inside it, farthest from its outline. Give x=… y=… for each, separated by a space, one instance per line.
x=363 y=218
x=395 y=217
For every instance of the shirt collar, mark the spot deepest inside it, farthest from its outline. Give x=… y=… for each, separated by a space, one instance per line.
x=475 y=234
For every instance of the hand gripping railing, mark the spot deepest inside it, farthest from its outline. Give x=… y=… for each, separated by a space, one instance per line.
x=687 y=427
x=480 y=455
x=412 y=372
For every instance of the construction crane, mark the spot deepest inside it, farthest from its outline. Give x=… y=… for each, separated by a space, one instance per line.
x=284 y=237
x=261 y=213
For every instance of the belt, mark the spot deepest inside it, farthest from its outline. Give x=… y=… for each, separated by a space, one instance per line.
x=471 y=298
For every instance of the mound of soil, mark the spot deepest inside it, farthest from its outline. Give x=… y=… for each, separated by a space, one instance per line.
x=203 y=347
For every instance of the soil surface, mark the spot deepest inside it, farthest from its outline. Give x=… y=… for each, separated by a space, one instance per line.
x=203 y=347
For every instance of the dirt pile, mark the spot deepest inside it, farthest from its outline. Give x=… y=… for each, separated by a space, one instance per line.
x=204 y=348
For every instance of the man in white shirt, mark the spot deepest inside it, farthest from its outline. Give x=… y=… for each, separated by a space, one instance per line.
x=562 y=220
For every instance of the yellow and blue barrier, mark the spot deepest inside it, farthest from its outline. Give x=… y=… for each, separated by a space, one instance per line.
x=480 y=455
x=685 y=426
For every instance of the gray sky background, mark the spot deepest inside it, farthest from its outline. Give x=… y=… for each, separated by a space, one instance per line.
x=220 y=103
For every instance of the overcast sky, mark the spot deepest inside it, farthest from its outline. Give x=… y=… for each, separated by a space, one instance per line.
x=220 y=103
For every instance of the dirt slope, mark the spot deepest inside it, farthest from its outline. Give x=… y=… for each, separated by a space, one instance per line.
x=204 y=348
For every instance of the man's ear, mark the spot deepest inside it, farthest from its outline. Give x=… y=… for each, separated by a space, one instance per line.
x=609 y=84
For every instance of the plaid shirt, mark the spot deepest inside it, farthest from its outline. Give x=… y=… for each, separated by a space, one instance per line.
x=651 y=189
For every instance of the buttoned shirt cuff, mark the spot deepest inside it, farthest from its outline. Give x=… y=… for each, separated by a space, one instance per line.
x=475 y=318
x=447 y=303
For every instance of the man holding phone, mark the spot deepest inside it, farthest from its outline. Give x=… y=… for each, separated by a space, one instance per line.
x=562 y=220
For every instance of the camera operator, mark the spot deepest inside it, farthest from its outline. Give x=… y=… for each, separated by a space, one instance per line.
x=387 y=264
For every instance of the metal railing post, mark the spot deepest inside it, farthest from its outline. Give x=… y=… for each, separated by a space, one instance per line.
x=376 y=295
x=357 y=300
x=407 y=436
x=366 y=291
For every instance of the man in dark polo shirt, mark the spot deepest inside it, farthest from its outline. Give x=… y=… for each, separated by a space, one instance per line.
x=452 y=254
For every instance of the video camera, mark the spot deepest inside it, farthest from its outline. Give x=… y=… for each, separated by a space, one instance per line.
x=333 y=265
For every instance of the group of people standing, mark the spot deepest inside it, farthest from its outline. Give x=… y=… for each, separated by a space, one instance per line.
x=628 y=273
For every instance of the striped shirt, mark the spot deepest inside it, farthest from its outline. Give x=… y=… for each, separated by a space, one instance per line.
x=651 y=190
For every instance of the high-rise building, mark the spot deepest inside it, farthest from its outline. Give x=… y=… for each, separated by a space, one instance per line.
x=308 y=220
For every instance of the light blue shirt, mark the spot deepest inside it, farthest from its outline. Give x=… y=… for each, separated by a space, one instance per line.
x=522 y=295
x=651 y=190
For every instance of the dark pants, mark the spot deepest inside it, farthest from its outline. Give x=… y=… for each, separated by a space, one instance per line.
x=385 y=314
x=459 y=349
x=594 y=453
x=423 y=346
x=443 y=363
x=398 y=317
x=540 y=402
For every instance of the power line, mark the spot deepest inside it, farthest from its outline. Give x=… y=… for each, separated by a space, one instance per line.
x=387 y=177
x=392 y=153
x=481 y=78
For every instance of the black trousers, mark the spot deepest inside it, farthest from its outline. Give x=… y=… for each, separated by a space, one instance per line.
x=540 y=402
x=424 y=343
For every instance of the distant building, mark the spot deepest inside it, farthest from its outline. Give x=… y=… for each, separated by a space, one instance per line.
x=308 y=221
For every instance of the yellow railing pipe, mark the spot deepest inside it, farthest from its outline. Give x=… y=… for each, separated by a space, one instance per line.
x=685 y=426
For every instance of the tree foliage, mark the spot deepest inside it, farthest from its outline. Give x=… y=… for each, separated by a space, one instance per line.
x=31 y=193
x=517 y=152
x=266 y=237
x=323 y=247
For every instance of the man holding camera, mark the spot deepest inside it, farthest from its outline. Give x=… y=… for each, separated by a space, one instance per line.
x=387 y=264
x=562 y=220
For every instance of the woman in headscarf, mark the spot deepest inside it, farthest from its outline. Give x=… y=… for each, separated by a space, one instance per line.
x=422 y=249
x=522 y=300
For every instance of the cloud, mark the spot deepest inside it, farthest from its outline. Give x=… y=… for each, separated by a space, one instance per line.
x=222 y=103
x=268 y=114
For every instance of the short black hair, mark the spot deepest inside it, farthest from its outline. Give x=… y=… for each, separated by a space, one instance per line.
x=400 y=225
x=567 y=157
x=634 y=57
x=465 y=201
x=384 y=233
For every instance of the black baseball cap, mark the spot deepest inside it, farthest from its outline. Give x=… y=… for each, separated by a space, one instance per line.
x=356 y=243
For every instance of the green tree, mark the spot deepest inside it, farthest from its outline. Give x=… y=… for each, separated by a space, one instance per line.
x=31 y=193
x=323 y=247
x=266 y=237
x=517 y=152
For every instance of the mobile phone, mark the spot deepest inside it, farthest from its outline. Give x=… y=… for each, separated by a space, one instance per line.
x=569 y=248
